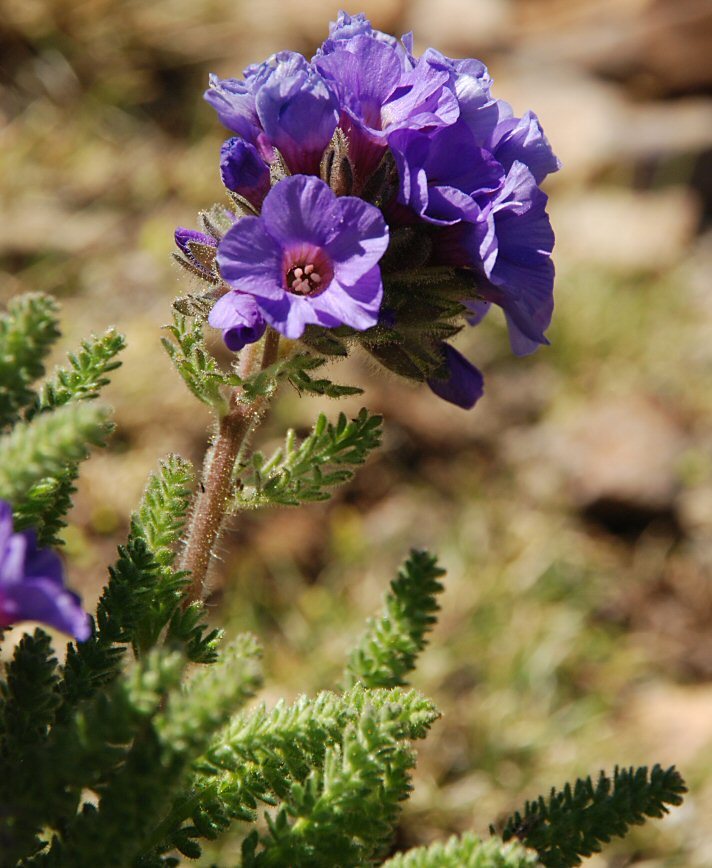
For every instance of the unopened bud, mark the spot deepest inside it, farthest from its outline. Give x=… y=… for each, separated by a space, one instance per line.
x=335 y=168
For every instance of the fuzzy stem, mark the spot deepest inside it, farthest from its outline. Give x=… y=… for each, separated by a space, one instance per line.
x=214 y=495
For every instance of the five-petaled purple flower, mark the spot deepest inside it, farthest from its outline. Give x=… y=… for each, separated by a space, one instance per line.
x=32 y=583
x=309 y=258
x=421 y=136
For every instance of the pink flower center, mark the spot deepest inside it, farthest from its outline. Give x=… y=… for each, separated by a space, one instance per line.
x=307 y=271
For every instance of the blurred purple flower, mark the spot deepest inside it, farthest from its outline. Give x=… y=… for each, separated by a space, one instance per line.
x=32 y=583
x=309 y=258
x=463 y=386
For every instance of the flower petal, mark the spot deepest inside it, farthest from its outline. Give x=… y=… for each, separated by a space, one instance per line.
x=44 y=601
x=358 y=240
x=250 y=259
x=356 y=306
x=300 y=208
x=464 y=385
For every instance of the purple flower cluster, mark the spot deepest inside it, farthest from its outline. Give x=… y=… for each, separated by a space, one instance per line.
x=333 y=158
x=32 y=583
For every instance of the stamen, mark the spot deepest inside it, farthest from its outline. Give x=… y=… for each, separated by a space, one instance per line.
x=303 y=279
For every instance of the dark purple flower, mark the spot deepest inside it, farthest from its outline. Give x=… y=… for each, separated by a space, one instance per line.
x=379 y=95
x=463 y=384
x=510 y=246
x=283 y=103
x=522 y=140
x=445 y=176
x=239 y=317
x=244 y=171
x=309 y=258
x=32 y=583
x=521 y=281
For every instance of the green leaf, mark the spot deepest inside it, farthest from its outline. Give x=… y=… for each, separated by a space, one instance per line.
x=45 y=506
x=575 y=822
x=27 y=332
x=49 y=499
x=305 y=471
x=266 y=756
x=389 y=648
x=466 y=851
x=144 y=590
x=28 y=701
x=85 y=376
x=159 y=522
x=199 y=370
x=46 y=446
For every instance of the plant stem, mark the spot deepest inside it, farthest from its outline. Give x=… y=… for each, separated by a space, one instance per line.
x=216 y=488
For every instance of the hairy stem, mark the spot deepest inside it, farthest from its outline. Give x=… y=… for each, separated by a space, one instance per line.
x=216 y=485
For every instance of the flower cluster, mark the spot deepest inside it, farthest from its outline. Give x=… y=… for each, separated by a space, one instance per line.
x=32 y=583
x=385 y=196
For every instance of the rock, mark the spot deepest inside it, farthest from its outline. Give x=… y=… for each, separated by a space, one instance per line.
x=460 y=27
x=657 y=712
x=626 y=230
x=585 y=140
x=620 y=461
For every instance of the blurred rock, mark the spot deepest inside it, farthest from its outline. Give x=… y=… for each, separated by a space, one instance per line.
x=460 y=27
x=666 y=128
x=658 y=711
x=37 y=224
x=625 y=229
x=656 y=45
x=311 y=17
x=581 y=115
x=620 y=459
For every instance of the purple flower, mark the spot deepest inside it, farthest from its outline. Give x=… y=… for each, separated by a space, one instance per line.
x=32 y=583
x=445 y=177
x=463 y=384
x=509 y=245
x=522 y=140
x=349 y=26
x=309 y=258
x=244 y=171
x=283 y=103
x=378 y=95
x=239 y=317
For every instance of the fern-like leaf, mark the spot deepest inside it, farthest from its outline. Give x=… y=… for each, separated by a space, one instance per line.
x=389 y=648
x=27 y=331
x=467 y=851
x=45 y=446
x=306 y=471
x=576 y=821
x=85 y=375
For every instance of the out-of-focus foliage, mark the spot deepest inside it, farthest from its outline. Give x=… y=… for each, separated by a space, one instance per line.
x=575 y=629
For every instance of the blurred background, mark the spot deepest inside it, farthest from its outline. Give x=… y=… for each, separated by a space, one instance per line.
x=572 y=507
